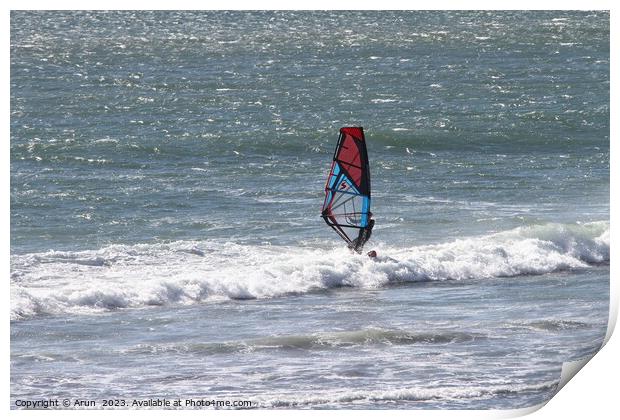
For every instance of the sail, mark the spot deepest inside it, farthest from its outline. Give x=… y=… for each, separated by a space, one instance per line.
x=347 y=191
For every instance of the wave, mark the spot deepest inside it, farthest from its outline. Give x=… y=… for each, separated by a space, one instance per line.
x=554 y=325
x=184 y=272
x=317 y=341
x=425 y=393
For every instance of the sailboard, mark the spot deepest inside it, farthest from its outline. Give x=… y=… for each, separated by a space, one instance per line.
x=347 y=191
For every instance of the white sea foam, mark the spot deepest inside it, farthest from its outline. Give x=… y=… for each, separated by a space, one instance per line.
x=421 y=393
x=123 y=276
x=382 y=101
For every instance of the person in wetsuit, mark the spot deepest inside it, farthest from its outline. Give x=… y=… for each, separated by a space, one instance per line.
x=362 y=237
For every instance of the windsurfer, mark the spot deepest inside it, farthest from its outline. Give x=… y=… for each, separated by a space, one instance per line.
x=363 y=236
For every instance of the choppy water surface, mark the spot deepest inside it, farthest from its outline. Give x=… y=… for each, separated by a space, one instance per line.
x=167 y=171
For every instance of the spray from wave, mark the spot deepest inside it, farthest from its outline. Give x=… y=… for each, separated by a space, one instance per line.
x=123 y=276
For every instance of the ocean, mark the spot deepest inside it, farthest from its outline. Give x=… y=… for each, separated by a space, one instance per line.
x=168 y=172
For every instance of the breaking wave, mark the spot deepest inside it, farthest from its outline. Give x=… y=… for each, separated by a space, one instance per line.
x=466 y=393
x=132 y=276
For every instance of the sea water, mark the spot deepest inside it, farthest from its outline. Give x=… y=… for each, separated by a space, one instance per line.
x=167 y=175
